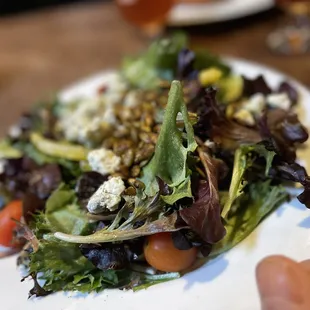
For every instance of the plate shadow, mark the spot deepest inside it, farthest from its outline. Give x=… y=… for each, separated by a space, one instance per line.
x=208 y=272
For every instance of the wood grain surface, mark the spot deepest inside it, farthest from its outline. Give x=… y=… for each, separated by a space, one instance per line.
x=44 y=51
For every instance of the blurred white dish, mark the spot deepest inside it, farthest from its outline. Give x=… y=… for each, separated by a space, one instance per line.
x=186 y=14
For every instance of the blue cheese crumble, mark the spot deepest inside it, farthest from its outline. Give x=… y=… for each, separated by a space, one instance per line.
x=107 y=196
x=103 y=161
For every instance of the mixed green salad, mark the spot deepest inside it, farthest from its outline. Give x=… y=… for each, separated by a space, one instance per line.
x=173 y=161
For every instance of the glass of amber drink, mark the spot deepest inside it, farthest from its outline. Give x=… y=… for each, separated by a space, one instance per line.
x=149 y=15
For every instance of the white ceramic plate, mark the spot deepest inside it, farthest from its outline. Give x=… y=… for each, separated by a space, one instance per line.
x=224 y=283
x=185 y=14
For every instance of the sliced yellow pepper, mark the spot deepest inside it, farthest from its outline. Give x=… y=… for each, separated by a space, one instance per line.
x=58 y=149
x=231 y=88
x=210 y=76
x=7 y=151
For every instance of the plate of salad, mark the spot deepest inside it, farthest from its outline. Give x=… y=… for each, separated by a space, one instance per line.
x=160 y=184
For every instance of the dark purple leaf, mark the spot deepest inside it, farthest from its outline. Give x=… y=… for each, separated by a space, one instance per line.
x=221 y=167
x=24 y=175
x=88 y=183
x=284 y=131
x=45 y=180
x=214 y=125
x=286 y=124
x=15 y=177
x=295 y=173
x=205 y=249
x=100 y=225
x=31 y=204
x=254 y=86
x=180 y=240
x=286 y=87
x=186 y=59
x=204 y=216
x=293 y=130
x=164 y=189
x=23 y=235
x=37 y=290
x=29 y=164
x=13 y=167
x=107 y=256
x=135 y=247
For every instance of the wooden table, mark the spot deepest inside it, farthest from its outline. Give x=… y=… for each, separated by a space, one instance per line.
x=44 y=51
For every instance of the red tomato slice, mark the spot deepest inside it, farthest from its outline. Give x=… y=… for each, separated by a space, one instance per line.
x=11 y=211
x=160 y=253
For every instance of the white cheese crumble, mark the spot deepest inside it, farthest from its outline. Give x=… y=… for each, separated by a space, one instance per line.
x=92 y=118
x=280 y=100
x=107 y=196
x=116 y=85
x=90 y=121
x=103 y=161
x=115 y=89
x=255 y=104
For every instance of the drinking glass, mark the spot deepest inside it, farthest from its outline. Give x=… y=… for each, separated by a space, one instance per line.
x=148 y=15
x=293 y=38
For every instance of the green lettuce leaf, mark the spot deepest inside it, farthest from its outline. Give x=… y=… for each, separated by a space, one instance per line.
x=63 y=214
x=245 y=157
x=149 y=280
x=205 y=59
x=169 y=164
x=159 y=61
x=61 y=264
x=145 y=207
x=260 y=200
x=170 y=159
x=62 y=267
x=163 y=224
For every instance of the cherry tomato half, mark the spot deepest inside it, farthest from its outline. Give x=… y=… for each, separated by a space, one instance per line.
x=160 y=253
x=13 y=210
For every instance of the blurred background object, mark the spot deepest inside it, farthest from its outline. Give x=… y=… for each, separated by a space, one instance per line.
x=16 y=6
x=149 y=16
x=293 y=37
